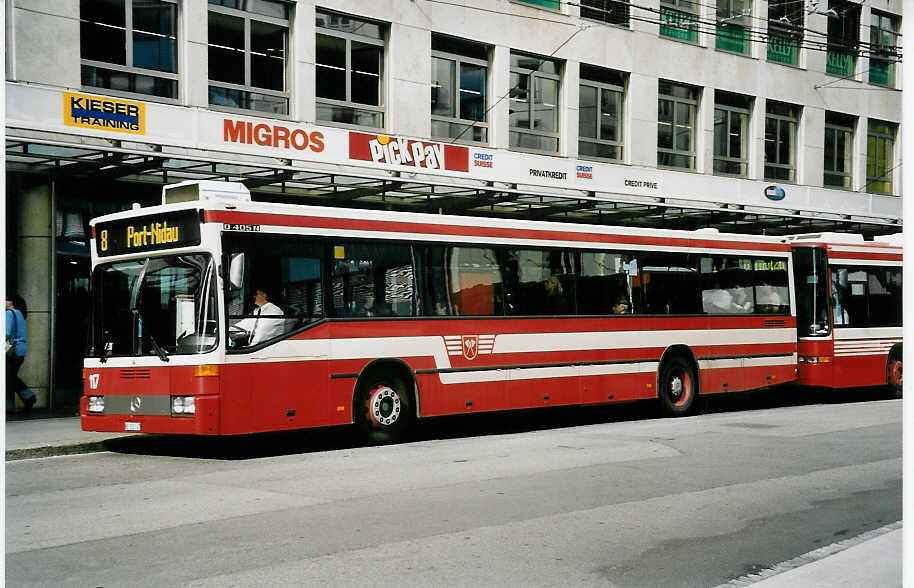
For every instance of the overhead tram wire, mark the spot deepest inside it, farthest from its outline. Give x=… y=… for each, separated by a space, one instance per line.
x=467 y=127
x=707 y=27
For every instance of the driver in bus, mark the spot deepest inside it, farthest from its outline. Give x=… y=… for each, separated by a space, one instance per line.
x=257 y=327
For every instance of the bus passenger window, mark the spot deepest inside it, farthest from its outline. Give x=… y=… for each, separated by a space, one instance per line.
x=726 y=285
x=371 y=279
x=604 y=278
x=771 y=293
x=474 y=281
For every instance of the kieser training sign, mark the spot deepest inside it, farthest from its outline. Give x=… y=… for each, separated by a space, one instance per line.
x=408 y=152
x=104 y=114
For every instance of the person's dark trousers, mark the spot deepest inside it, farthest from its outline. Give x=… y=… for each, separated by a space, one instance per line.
x=14 y=384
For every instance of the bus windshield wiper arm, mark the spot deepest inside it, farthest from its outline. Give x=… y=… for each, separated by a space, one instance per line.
x=161 y=352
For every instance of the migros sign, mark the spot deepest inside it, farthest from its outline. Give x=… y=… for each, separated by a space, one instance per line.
x=271 y=135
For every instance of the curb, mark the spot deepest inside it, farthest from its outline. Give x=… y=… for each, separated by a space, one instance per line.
x=811 y=557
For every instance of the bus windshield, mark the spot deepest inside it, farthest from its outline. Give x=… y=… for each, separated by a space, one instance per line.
x=155 y=306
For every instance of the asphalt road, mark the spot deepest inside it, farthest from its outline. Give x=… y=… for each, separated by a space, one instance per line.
x=555 y=498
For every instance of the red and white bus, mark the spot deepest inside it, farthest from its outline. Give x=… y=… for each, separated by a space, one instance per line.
x=214 y=315
x=849 y=310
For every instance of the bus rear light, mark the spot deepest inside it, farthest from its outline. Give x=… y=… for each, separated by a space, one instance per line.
x=206 y=370
x=815 y=359
x=97 y=404
x=183 y=405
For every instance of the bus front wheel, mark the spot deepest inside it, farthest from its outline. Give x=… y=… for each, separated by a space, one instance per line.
x=678 y=387
x=384 y=409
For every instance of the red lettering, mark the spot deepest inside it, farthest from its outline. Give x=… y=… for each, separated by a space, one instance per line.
x=299 y=139
x=233 y=131
x=250 y=128
x=262 y=135
x=317 y=142
x=280 y=135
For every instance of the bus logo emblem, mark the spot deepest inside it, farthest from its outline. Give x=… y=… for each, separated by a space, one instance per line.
x=470 y=346
x=93 y=381
x=135 y=404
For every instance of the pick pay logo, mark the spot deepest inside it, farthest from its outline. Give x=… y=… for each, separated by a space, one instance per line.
x=408 y=152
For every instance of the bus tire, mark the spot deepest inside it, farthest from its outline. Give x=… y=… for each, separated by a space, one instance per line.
x=677 y=387
x=894 y=373
x=384 y=408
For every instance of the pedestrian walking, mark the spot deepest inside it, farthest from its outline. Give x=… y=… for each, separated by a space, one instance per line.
x=15 y=354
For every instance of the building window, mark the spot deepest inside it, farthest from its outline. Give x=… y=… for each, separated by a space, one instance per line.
x=785 y=31
x=843 y=38
x=880 y=155
x=615 y=12
x=839 y=144
x=534 y=108
x=459 y=70
x=349 y=70
x=731 y=133
x=130 y=46
x=676 y=108
x=781 y=122
x=734 y=23
x=679 y=20
x=883 y=48
x=248 y=44
x=600 y=113
x=553 y=4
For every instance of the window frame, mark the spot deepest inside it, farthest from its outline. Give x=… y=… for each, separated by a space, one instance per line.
x=128 y=66
x=458 y=60
x=531 y=101
x=743 y=161
x=380 y=108
x=889 y=163
x=619 y=144
x=879 y=50
x=847 y=175
x=728 y=19
x=843 y=39
x=604 y=16
x=247 y=17
x=694 y=104
x=791 y=166
x=790 y=33
x=680 y=14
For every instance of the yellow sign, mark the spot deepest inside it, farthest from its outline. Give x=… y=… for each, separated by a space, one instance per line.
x=104 y=114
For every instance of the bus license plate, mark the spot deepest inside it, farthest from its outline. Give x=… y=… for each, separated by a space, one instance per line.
x=131 y=426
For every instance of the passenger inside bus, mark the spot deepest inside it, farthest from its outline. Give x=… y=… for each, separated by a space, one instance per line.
x=621 y=306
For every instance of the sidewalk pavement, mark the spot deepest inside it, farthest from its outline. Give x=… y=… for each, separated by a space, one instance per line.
x=872 y=559
x=43 y=437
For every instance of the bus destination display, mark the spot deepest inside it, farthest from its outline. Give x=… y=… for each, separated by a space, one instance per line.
x=148 y=233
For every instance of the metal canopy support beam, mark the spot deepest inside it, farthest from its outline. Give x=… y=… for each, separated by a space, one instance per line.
x=278 y=181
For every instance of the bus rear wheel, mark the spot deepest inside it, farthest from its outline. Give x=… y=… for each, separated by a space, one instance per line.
x=678 y=387
x=383 y=409
x=894 y=375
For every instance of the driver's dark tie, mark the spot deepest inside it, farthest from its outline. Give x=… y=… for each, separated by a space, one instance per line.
x=254 y=328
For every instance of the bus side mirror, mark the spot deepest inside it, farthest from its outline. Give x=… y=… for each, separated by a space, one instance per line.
x=236 y=270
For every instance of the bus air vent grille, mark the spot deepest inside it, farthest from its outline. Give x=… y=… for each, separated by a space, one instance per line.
x=775 y=323
x=135 y=374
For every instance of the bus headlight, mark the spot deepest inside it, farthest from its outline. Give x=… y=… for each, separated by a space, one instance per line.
x=182 y=405
x=96 y=404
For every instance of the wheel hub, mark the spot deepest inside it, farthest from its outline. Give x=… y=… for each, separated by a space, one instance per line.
x=676 y=387
x=384 y=406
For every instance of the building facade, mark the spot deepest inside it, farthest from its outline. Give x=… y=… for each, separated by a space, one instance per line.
x=745 y=115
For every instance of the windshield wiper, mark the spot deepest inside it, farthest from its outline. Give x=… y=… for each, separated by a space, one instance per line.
x=105 y=352
x=161 y=352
